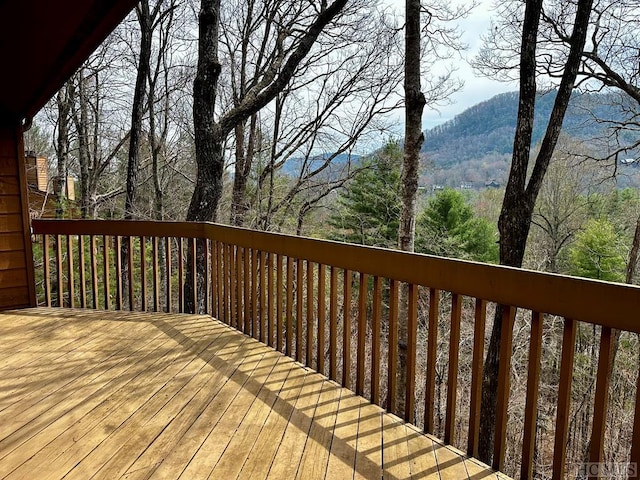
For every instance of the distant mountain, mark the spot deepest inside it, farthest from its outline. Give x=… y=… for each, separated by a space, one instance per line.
x=293 y=166
x=475 y=146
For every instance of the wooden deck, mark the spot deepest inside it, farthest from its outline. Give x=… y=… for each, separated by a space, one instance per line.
x=89 y=394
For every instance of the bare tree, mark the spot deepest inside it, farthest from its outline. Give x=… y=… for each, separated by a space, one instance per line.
x=64 y=106
x=336 y=99
x=286 y=53
x=441 y=39
x=561 y=206
x=97 y=145
x=522 y=189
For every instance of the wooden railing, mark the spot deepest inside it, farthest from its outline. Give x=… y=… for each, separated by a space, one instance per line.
x=335 y=307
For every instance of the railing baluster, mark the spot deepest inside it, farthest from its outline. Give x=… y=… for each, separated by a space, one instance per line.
x=106 y=265
x=376 y=321
x=531 y=405
x=322 y=290
x=156 y=276
x=412 y=342
x=181 y=275
x=564 y=398
x=207 y=276
x=70 y=272
x=270 y=336
x=635 y=438
x=194 y=274
x=247 y=291
x=233 y=306
x=241 y=286
x=59 y=270
x=452 y=375
x=289 y=319
x=221 y=289
x=119 y=289
x=130 y=267
x=504 y=375
x=143 y=271
x=601 y=402
x=394 y=292
x=214 y=278
x=476 y=377
x=333 y=324
x=362 y=333
x=227 y=284
x=254 y=294
x=346 y=332
x=168 y=292
x=94 y=270
x=299 y=300
x=279 y=298
x=310 y=323
x=47 y=270
x=263 y=300
x=432 y=355
x=82 y=272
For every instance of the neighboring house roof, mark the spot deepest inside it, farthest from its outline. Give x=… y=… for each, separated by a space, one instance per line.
x=43 y=42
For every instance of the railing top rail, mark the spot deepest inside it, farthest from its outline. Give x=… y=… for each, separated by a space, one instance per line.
x=603 y=303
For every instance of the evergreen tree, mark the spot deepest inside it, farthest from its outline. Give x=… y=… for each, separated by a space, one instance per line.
x=448 y=227
x=369 y=208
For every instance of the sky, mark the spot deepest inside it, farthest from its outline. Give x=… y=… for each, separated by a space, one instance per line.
x=476 y=88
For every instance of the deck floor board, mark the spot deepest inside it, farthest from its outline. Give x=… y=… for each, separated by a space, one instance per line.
x=105 y=395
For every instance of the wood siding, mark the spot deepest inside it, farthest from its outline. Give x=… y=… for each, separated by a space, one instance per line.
x=16 y=263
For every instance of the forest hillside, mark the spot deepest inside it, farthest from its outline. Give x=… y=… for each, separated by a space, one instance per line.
x=475 y=146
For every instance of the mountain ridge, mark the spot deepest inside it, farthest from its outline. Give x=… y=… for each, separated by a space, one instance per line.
x=476 y=145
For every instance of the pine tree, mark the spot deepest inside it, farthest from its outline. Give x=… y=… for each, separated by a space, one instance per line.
x=449 y=227
x=369 y=208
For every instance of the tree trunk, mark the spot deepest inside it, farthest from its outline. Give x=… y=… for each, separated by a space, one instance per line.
x=244 y=162
x=84 y=156
x=137 y=113
x=414 y=105
x=211 y=135
x=520 y=197
x=64 y=102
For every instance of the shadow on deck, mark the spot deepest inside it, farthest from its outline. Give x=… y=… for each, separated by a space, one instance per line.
x=88 y=394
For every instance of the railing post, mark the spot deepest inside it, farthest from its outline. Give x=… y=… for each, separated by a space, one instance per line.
x=362 y=333
x=504 y=376
x=432 y=355
x=59 y=271
x=394 y=292
x=47 y=270
x=70 y=272
x=564 y=398
x=452 y=377
x=346 y=331
x=94 y=270
x=119 y=286
x=531 y=406
x=105 y=258
x=376 y=322
x=333 y=324
x=81 y=272
x=476 y=377
x=601 y=402
x=635 y=439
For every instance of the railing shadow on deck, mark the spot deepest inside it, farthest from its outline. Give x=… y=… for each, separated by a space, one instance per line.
x=318 y=301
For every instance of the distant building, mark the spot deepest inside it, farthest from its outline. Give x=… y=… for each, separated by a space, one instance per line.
x=492 y=184
x=435 y=188
x=42 y=201
x=466 y=186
